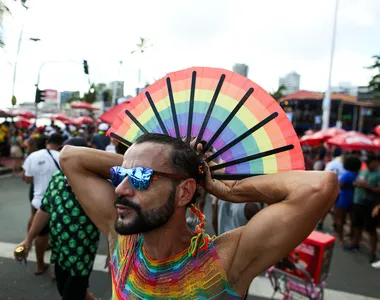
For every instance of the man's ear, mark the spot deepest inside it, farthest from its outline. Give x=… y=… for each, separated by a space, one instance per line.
x=186 y=191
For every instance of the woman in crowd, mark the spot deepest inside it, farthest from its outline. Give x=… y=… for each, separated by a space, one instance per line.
x=351 y=165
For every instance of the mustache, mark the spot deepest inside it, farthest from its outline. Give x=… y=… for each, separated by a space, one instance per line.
x=128 y=203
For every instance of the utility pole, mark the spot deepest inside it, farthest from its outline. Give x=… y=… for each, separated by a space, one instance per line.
x=114 y=87
x=326 y=106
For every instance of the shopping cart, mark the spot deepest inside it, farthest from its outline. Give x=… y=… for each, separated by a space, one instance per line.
x=299 y=285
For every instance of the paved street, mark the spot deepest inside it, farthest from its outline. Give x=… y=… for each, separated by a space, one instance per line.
x=351 y=275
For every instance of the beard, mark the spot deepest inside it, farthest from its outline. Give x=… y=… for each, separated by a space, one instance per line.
x=145 y=221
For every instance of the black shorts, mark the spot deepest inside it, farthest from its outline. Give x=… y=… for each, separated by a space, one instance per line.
x=71 y=287
x=362 y=218
x=31 y=192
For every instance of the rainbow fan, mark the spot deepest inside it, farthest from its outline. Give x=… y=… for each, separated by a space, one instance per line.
x=245 y=127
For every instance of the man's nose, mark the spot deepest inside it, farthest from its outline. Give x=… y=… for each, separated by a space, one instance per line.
x=124 y=188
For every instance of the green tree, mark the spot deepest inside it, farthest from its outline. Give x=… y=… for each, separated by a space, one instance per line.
x=277 y=95
x=90 y=96
x=374 y=84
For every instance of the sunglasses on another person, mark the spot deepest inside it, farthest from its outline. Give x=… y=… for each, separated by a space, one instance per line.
x=139 y=177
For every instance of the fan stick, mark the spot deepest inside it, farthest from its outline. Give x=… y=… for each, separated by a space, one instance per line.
x=172 y=106
x=158 y=117
x=132 y=117
x=120 y=139
x=233 y=176
x=209 y=110
x=191 y=107
x=227 y=121
x=243 y=136
x=252 y=157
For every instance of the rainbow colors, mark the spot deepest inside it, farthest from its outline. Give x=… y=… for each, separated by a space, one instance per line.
x=200 y=84
x=136 y=276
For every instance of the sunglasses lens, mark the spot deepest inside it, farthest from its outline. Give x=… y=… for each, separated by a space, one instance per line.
x=117 y=175
x=139 y=177
x=138 y=184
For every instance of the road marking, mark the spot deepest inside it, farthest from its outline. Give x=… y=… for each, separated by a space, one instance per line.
x=260 y=286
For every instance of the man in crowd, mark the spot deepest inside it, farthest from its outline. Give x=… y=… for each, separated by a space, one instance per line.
x=74 y=238
x=156 y=255
x=39 y=168
x=100 y=140
x=366 y=197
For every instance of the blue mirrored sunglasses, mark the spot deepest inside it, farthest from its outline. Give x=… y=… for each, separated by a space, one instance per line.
x=139 y=177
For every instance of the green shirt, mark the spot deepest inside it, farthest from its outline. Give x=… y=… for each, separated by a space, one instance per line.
x=74 y=238
x=364 y=196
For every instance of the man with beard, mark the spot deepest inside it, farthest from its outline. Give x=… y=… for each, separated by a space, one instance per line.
x=156 y=255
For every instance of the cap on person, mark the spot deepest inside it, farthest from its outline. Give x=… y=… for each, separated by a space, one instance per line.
x=103 y=127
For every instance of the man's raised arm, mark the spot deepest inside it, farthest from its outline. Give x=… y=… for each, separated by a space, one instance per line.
x=87 y=171
x=297 y=200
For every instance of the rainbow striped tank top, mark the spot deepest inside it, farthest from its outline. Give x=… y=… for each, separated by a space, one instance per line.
x=136 y=276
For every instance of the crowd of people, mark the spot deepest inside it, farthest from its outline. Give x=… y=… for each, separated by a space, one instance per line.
x=72 y=202
x=358 y=202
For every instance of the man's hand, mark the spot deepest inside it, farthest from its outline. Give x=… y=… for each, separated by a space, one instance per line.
x=361 y=184
x=375 y=211
x=27 y=245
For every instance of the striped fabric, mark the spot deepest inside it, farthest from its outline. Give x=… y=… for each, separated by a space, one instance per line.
x=182 y=276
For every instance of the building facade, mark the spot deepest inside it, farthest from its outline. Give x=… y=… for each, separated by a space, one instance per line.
x=241 y=69
x=291 y=82
x=118 y=88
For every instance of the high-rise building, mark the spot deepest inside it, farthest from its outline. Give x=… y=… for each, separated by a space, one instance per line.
x=291 y=82
x=241 y=69
x=118 y=87
x=345 y=88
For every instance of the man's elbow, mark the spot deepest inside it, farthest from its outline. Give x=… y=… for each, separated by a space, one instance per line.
x=65 y=155
x=327 y=187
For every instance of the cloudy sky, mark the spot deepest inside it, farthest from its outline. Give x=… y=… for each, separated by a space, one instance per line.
x=273 y=37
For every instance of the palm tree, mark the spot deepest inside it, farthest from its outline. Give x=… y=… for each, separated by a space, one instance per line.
x=374 y=84
x=141 y=48
x=277 y=95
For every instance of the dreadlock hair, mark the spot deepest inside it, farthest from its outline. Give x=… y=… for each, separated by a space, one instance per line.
x=183 y=159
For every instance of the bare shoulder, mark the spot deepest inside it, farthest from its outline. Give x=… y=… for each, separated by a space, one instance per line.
x=226 y=245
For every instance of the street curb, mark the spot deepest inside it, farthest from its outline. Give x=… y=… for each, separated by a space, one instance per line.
x=5 y=170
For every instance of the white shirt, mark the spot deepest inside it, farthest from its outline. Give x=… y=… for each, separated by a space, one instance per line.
x=336 y=166
x=41 y=167
x=111 y=148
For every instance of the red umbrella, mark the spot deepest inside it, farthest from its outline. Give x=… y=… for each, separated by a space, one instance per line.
x=320 y=136
x=376 y=141
x=84 y=105
x=353 y=140
x=83 y=120
x=377 y=130
x=309 y=132
x=110 y=115
x=372 y=136
x=27 y=115
x=23 y=123
x=4 y=114
x=60 y=117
